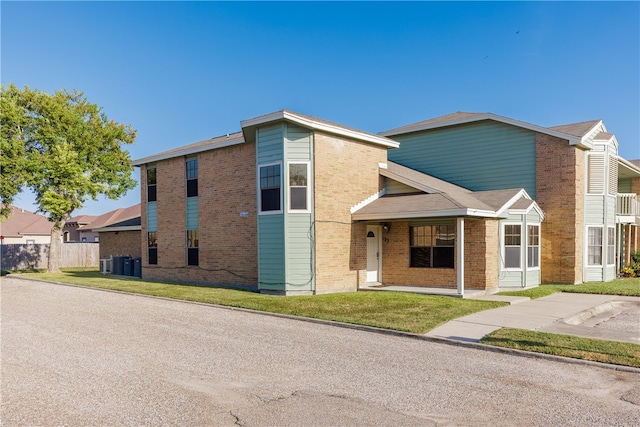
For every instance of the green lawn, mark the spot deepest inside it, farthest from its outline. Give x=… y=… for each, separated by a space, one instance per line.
x=618 y=353
x=627 y=286
x=389 y=310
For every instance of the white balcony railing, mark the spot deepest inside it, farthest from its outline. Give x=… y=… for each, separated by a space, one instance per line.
x=627 y=204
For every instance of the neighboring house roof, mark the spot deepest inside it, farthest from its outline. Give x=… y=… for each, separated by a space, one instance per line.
x=440 y=198
x=635 y=162
x=462 y=117
x=23 y=222
x=122 y=217
x=81 y=220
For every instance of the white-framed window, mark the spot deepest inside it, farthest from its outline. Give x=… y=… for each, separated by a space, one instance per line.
x=270 y=188
x=298 y=173
x=594 y=246
x=512 y=243
x=432 y=246
x=611 y=246
x=533 y=246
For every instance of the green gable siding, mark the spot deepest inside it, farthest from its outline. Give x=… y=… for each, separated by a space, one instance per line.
x=479 y=156
x=394 y=187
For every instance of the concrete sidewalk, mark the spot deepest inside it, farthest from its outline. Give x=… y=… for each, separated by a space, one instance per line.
x=565 y=313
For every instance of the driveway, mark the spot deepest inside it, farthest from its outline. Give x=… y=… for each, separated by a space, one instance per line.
x=78 y=356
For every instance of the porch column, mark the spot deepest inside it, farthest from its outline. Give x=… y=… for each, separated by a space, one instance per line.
x=460 y=249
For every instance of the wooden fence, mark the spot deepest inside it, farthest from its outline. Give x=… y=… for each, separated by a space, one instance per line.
x=21 y=256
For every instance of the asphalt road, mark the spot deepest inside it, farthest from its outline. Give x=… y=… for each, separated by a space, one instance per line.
x=73 y=356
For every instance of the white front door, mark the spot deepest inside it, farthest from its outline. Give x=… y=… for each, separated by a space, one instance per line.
x=373 y=254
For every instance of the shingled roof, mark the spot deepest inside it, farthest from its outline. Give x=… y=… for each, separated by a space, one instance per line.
x=23 y=222
x=438 y=199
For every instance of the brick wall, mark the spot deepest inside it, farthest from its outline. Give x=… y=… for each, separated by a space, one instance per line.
x=346 y=172
x=482 y=252
x=396 y=259
x=481 y=258
x=560 y=193
x=227 y=240
x=113 y=243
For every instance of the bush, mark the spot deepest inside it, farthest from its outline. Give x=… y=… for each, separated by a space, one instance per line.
x=628 y=271
x=635 y=256
x=631 y=270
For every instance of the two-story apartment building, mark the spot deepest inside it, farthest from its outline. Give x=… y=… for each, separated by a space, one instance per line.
x=294 y=204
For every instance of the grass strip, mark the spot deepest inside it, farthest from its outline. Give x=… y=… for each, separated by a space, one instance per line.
x=627 y=287
x=613 y=352
x=407 y=312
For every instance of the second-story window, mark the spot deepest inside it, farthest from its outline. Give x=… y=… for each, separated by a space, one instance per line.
x=192 y=177
x=151 y=184
x=298 y=186
x=270 y=188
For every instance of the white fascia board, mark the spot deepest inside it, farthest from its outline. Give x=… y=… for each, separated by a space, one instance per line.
x=326 y=127
x=187 y=151
x=123 y=228
x=512 y=200
x=368 y=200
x=628 y=165
x=386 y=173
x=573 y=140
x=436 y=214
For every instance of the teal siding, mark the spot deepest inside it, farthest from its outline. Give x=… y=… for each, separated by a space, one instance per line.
x=271 y=261
x=152 y=216
x=285 y=244
x=298 y=225
x=271 y=252
x=299 y=254
x=479 y=156
x=511 y=279
x=269 y=144
x=533 y=277
x=297 y=143
x=192 y=213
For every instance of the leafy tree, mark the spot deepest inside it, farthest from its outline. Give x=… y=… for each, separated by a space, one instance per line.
x=65 y=150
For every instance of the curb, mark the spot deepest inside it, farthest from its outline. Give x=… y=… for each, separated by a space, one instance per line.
x=371 y=329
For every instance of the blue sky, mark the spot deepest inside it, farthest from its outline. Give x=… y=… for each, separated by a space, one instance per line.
x=183 y=72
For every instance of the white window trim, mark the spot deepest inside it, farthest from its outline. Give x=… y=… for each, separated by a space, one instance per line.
x=526 y=254
x=308 y=210
x=610 y=262
x=259 y=192
x=602 y=248
x=503 y=247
